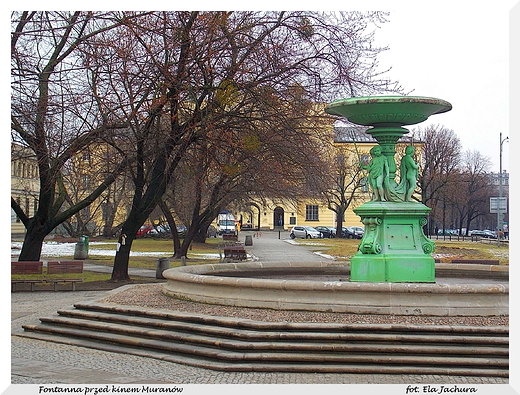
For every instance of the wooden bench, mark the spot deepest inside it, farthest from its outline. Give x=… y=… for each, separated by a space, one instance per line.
x=64 y=272
x=477 y=261
x=235 y=253
x=230 y=237
x=30 y=272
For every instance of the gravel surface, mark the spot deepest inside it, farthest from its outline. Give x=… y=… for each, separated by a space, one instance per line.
x=152 y=297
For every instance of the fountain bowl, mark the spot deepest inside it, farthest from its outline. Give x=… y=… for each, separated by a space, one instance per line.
x=388 y=110
x=302 y=286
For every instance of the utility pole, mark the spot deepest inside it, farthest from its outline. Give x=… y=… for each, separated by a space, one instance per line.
x=499 y=216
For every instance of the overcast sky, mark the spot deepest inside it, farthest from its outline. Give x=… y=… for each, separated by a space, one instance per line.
x=459 y=52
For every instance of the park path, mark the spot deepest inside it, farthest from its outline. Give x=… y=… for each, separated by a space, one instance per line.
x=274 y=246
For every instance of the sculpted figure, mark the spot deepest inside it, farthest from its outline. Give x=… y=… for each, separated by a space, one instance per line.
x=377 y=173
x=409 y=174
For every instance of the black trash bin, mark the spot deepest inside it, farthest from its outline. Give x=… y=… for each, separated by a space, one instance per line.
x=249 y=240
x=162 y=265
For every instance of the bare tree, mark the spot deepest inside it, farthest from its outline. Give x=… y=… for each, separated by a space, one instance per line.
x=346 y=189
x=212 y=70
x=441 y=154
x=474 y=188
x=53 y=111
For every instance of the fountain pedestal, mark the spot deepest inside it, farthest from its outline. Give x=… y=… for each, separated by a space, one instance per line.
x=393 y=248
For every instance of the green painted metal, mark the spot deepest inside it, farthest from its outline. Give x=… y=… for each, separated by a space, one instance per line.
x=390 y=112
x=394 y=247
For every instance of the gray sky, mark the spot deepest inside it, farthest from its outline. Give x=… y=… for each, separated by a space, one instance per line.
x=459 y=52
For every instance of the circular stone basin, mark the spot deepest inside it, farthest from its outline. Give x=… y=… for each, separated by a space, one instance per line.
x=388 y=110
x=239 y=284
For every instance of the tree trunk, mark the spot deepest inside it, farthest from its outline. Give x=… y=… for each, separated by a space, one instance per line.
x=173 y=226
x=201 y=235
x=32 y=244
x=339 y=221
x=120 y=269
x=188 y=239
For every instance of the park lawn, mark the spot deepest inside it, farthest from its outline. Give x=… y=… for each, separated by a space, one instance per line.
x=344 y=249
x=197 y=254
x=447 y=250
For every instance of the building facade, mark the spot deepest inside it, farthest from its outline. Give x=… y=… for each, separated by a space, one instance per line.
x=353 y=144
x=25 y=185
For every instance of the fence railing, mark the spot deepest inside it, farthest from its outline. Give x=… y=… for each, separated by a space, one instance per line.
x=478 y=239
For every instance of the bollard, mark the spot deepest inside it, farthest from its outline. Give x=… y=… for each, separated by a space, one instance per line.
x=162 y=265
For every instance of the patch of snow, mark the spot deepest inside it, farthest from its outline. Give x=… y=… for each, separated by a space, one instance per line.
x=325 y=255
x=54 y=249
x=442 y=255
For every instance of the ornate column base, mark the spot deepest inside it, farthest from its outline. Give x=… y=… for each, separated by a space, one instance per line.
x=394 y=247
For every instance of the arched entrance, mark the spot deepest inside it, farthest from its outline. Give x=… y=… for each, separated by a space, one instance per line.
x=278 y=220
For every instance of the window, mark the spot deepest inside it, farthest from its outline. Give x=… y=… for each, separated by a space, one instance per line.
x=85 y=180
x=364 y=184
x=311 y=213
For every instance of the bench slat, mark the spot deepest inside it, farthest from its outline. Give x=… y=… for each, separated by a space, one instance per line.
x=59 y=272
x=64 y=267
x=31 y=267
x=236 y=252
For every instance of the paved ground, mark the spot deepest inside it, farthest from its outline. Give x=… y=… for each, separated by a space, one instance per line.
x=37 y=362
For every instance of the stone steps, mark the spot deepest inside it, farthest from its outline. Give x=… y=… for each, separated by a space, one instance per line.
x=234 y=344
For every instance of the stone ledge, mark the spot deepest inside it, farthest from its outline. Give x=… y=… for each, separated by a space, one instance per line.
x=196 y=283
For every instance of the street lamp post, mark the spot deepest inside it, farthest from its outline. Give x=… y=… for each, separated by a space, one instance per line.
x=499 y=216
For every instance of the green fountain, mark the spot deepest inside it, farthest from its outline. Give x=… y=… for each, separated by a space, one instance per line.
x=394 y=247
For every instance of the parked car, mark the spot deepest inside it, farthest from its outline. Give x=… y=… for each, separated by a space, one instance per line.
x=163 y=230
x=326 y=232
x=352 y=232
x=358 y=231
x=181 y=230
x=304 y=232
x=447 y=232
x=487 y=234
x=143 y=230
x=347 y=233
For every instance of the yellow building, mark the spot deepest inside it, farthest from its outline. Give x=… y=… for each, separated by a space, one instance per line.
x=352 y=144
x=25 y=185
x=84 y=173
x=81 y=175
